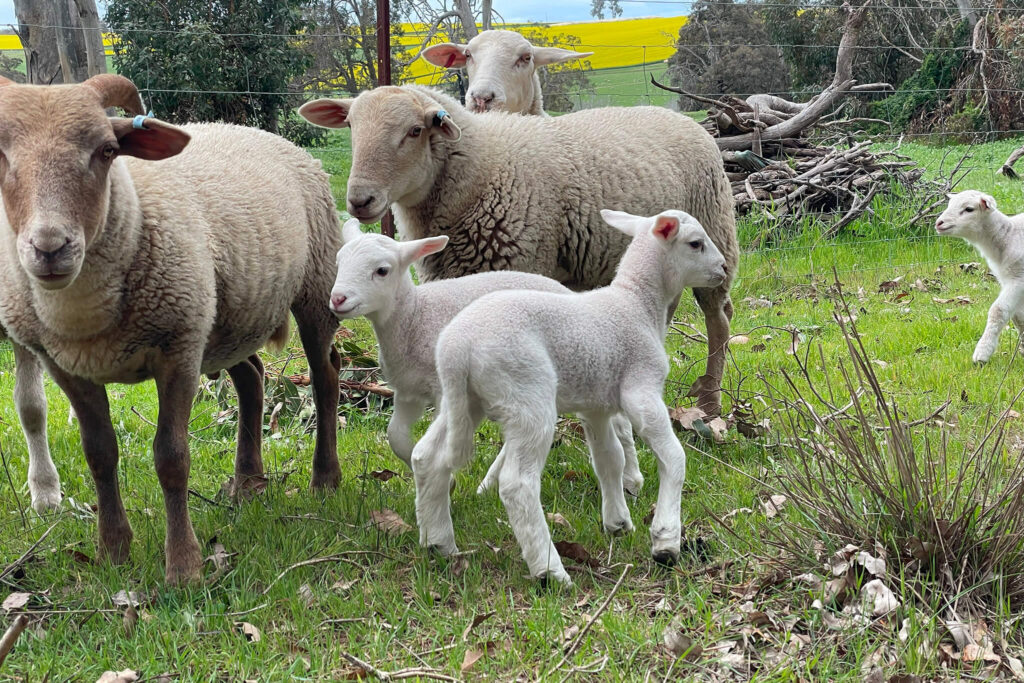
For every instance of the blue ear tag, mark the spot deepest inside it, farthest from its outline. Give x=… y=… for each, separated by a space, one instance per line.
x=439 y=117
x=139 y=122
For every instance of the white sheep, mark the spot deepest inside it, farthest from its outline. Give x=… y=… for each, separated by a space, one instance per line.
x=30 y=404
x=374 y=281
x=524 y=192
x=502 y=70
x=973 y=216
x=126 y=255
x=521 y=358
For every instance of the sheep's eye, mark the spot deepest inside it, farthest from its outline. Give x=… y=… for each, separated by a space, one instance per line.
x=696 y=244
x=108 y=151
x=415 y=131
x=468 y=56
x=968 y=209
x=383 y=271
x=525 y=59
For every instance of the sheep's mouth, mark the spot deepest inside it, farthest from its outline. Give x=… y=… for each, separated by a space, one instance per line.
x=345 y=312
x=54 y=280
x=944 y=229
x=369 y=215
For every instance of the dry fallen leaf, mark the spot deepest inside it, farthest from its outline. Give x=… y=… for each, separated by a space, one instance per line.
x=738 y=340
x=686 y=416
x=476 y=621
x=251 y=633
x=557 y=518
x=751 y=302
x=881 y=599
x=306 y=595
x=576 y=552
x=389 y=522
x=219 y=559
x=383 y=475
x=475 y=654
x=128 y=599
x=244 y=489
x=15 y=601
x=343 y=586
x=126 y=676
x=679 y=643
x=773 y=505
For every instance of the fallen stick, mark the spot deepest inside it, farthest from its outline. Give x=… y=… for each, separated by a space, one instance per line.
x=11 y=636
x=397 y=675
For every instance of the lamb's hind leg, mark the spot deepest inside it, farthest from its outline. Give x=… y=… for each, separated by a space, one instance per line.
x=247 y=377
x=609 y=460
x=717 y=308
x=30 y=402
x=632 y=478
x=316 y=329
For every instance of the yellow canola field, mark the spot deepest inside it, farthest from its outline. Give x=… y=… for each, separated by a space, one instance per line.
x=616 y=43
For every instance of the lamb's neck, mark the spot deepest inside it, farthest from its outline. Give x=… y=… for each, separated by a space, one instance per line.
x=993 y=243
x=93 y=303
x=648 y=293
x=393 y=325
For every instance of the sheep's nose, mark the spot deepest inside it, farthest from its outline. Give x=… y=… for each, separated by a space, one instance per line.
x=360 y=200
x=337 y=301
x=482 y=100
x=49 y=249
x=938 y=222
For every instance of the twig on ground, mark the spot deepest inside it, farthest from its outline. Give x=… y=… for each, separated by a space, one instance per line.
x=143 y=417
x=24 y=557
x=371 y=670
x=11 y=636
x=339 y=557
x=14 y=489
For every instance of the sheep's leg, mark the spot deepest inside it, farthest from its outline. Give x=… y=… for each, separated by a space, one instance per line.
x=527 y=440
x=100 y=447
x=648 y=413
x=632 y=478
x=316 y=329
x=609 y=461
x=30 y=402
x=432 y=472
x=176 y=388
x=247 y=377
x=717 y=308
x=1005 y=305
x=493 y=473
x=407 y=412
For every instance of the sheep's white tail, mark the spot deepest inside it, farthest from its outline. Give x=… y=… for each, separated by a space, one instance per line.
x=456 y=406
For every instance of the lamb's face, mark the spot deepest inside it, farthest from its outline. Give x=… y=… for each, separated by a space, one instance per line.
x=394 y=133
x=58 y=147
x=501 y=67
x=966 y=215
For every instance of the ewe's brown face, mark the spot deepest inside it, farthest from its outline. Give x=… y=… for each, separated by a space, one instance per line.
x=394 y=134
x=56 y=150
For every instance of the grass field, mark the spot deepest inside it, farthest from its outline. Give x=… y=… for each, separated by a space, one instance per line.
x=389 y=603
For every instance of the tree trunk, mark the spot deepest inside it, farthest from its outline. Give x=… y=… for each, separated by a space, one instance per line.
x=92 y=36
x=466 y=18
x=61 y=40
x=967 y=12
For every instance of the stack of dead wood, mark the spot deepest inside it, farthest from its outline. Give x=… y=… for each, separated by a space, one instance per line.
x=792 y=159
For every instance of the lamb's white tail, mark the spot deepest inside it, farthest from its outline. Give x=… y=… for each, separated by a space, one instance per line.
x=455 y=406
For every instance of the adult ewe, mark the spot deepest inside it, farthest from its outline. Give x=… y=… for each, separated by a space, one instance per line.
x=502 y=70
x=114 y=268
x=525 y=192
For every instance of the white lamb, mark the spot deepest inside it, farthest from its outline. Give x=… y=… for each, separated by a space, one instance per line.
x=973 y=216
x=521 y=358
x=502 y=70
x=374 y=281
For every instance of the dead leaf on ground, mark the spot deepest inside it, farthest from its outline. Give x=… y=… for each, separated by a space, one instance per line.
x=306 y=595
x=275 y=417
x=570 y=632
x=970 y=267
x=686 y=416
x=879 y=597
x=16 y=601
x=759 y=302
x=343 y=586
x=219 y=559
x=574 y=551
x=557 y=518
x=126 y=676
x=245 y=488
x=251 y=633
x=678 y=643
x=758 y=348
x=1009 y=414
x=476 y=653
x=129 y=599
x=773 y=505
x=733 y=513
x=738 y=340
x=383 y=475
x=476 y=621
x=890 y=285
x=389 y=522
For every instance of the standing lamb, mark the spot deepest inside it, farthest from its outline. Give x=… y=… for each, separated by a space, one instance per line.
x=521 y=358
x=524 y=192
x=374 y=281
x=115 y=268
x=502 y=70
x=973 y=216
x=30 y=404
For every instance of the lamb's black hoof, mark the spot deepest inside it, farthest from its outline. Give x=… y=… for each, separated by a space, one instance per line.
x=666 y=558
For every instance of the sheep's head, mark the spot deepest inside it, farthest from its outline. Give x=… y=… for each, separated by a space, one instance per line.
x=501 y=66
x=395 y=134
x=967 y=215
x=57 y=146
x=689 y=257
x=370 y=269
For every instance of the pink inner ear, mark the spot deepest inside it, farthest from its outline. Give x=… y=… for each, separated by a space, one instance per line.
x=428 y=248
x=325 y=113
x=450 y=61
x=665 y=227
x=984 y=204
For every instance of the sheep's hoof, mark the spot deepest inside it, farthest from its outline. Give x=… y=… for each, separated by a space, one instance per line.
x=633 y=488
x=549 y=580
x=444 y=550
x=325 y=481
x=115 y=545
x=46 y=500
x=183 y=575
x=619 y=528
x=665 y=558
x=184 y=562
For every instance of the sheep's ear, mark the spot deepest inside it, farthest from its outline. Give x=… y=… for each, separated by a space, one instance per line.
x=148 y=138
x=410 y=252
x=987 y=203
x=624 y=222
x=440 y=120
x=447 y=55
x=326 y=112
x=351 y=230
x=666 y=228
x=555 y=55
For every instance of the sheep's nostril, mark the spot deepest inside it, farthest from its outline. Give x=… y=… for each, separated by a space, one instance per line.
x=337 y=301
x=362 y=201
x=48 y=250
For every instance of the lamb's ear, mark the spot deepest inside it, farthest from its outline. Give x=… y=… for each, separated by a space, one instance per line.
x=410 y=252
x=987 y=203
x=447 y=55
x=555 y=55
x=438 y=119
x=327 y=112
x=148 y=138
x=351 y=230
x=665 y=228
x=624 y=222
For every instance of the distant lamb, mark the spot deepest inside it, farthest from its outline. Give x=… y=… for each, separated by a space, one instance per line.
x=973 y=216
x=521 y=358
x=374 y=281
x=524 y=192
x=502 y=70
x=118 y=267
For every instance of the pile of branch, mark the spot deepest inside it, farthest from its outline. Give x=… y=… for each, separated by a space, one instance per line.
x=777 y=153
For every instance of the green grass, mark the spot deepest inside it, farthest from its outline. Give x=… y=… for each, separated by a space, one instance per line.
x=404 y=601
x=628 y=86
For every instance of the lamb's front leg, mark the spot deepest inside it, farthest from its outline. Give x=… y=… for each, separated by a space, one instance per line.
x=30 y=402
x=176 y=387
x=407 y=411
x=648 y=412
x=1006 y=305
